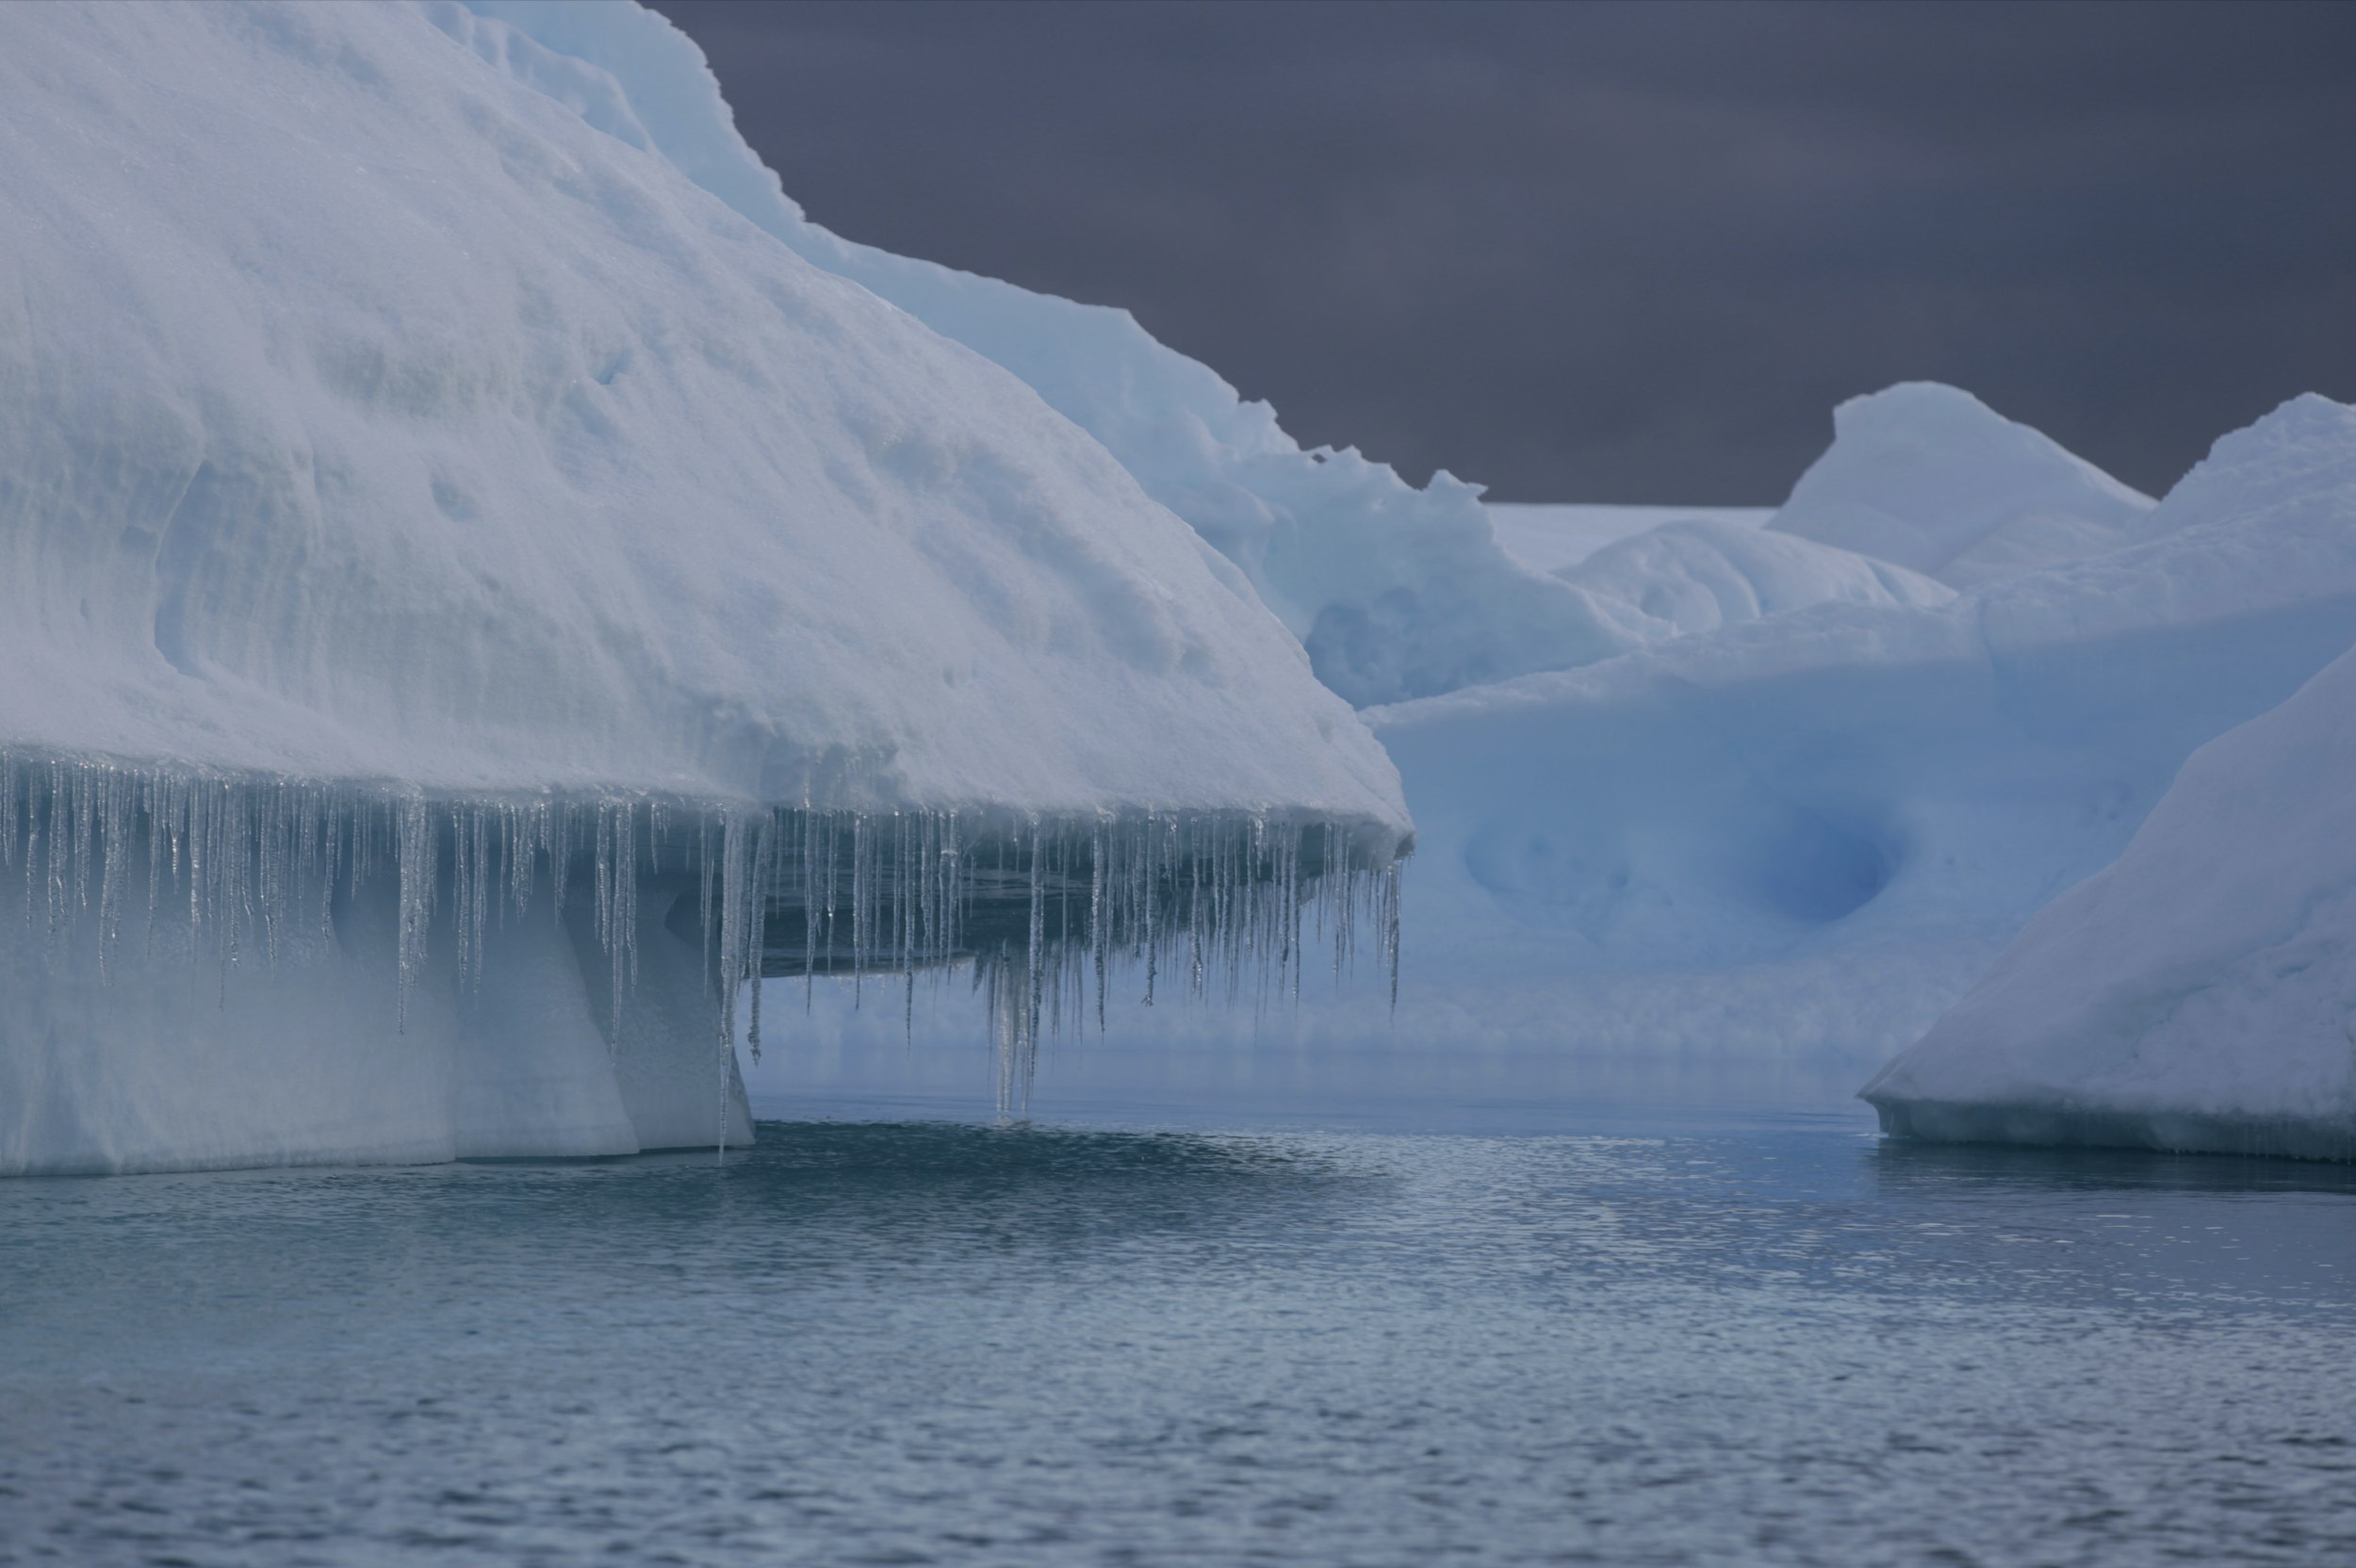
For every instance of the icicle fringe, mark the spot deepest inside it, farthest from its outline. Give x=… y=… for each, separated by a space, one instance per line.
x=1050 y=913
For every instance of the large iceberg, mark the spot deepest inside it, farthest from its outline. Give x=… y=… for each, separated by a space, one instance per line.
x=2198 y=993
x=1395 y=592
x=473 y=597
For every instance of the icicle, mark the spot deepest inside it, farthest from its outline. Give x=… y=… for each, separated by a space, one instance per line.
x=1238 y=899
x=414 y=846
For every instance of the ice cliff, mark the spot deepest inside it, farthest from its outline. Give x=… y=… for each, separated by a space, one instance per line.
x=472 y=597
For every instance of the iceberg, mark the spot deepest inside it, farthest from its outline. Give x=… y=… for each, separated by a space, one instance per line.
x=1931 y=478
x=2196 y=994
x=1395 y=592
x=1546 y=537
x=474 y=599
x=1764 y=858
x=1799 y=838
x=1698 y=574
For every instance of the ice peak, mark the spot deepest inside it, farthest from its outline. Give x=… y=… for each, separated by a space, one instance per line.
x=1928 y=477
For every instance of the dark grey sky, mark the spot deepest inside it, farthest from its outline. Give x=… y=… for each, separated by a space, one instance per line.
x=1616 y=251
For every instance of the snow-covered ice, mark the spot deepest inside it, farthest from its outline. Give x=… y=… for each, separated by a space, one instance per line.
x=485 y=575
x=1698 y=574
x=2198 y=993
x=412 y=485
x=1807 y=833
x=1931 y=478
x=1546 y=537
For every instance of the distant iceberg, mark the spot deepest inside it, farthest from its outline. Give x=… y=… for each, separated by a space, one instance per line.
x=1698 y=574
x=1798 y=838
x=474 y=599
x=1929 y=477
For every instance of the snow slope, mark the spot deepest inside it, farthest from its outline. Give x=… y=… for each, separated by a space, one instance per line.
x=1931 y=478
x=1698 y=574
x=368 y=416
x=1395 y=592
x=2197 y=994
x=415 y=493
x=1546 y=537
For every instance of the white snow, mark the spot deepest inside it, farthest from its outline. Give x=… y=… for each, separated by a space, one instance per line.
x=1395 y=592
x=366 y=417
x=1930 y=478
x=1546 y=537
x=1806 y=834
x=2197 y=994
x=398 y=453
x=1698 y=574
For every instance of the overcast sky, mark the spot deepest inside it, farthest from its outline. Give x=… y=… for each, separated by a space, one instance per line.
x=1616 y=253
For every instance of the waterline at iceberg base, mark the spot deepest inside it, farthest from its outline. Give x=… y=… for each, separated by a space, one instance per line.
x=212 y=971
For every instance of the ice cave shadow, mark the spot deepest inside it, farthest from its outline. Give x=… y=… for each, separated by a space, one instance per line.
x=1917 y=1168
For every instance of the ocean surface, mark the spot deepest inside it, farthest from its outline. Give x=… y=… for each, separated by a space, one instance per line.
x=1676 y=1339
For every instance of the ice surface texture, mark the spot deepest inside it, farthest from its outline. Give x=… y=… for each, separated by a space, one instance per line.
x=1930 y=478
x=1802 y=837
x=1699 y=575
x=1777 y=851
x=1546 y=537
x=368 y=416
x=1395 y=592
x=2201 y=994
x=389 y=435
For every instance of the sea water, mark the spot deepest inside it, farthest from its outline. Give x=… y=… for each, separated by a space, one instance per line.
x=964 y=1342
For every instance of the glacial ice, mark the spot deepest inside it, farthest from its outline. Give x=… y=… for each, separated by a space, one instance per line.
x=1699 y=575
x=1395 y=592
x=1930 y=478
x=1546 y=537
x=1774 y=853
x=458 y=571
x=474 y=598
x=1802 y=837
x=2196 y=994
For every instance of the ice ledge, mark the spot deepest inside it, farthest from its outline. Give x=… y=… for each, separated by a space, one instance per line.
x=209 y=971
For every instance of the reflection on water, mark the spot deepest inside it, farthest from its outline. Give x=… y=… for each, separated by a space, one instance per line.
x=933 y=1342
